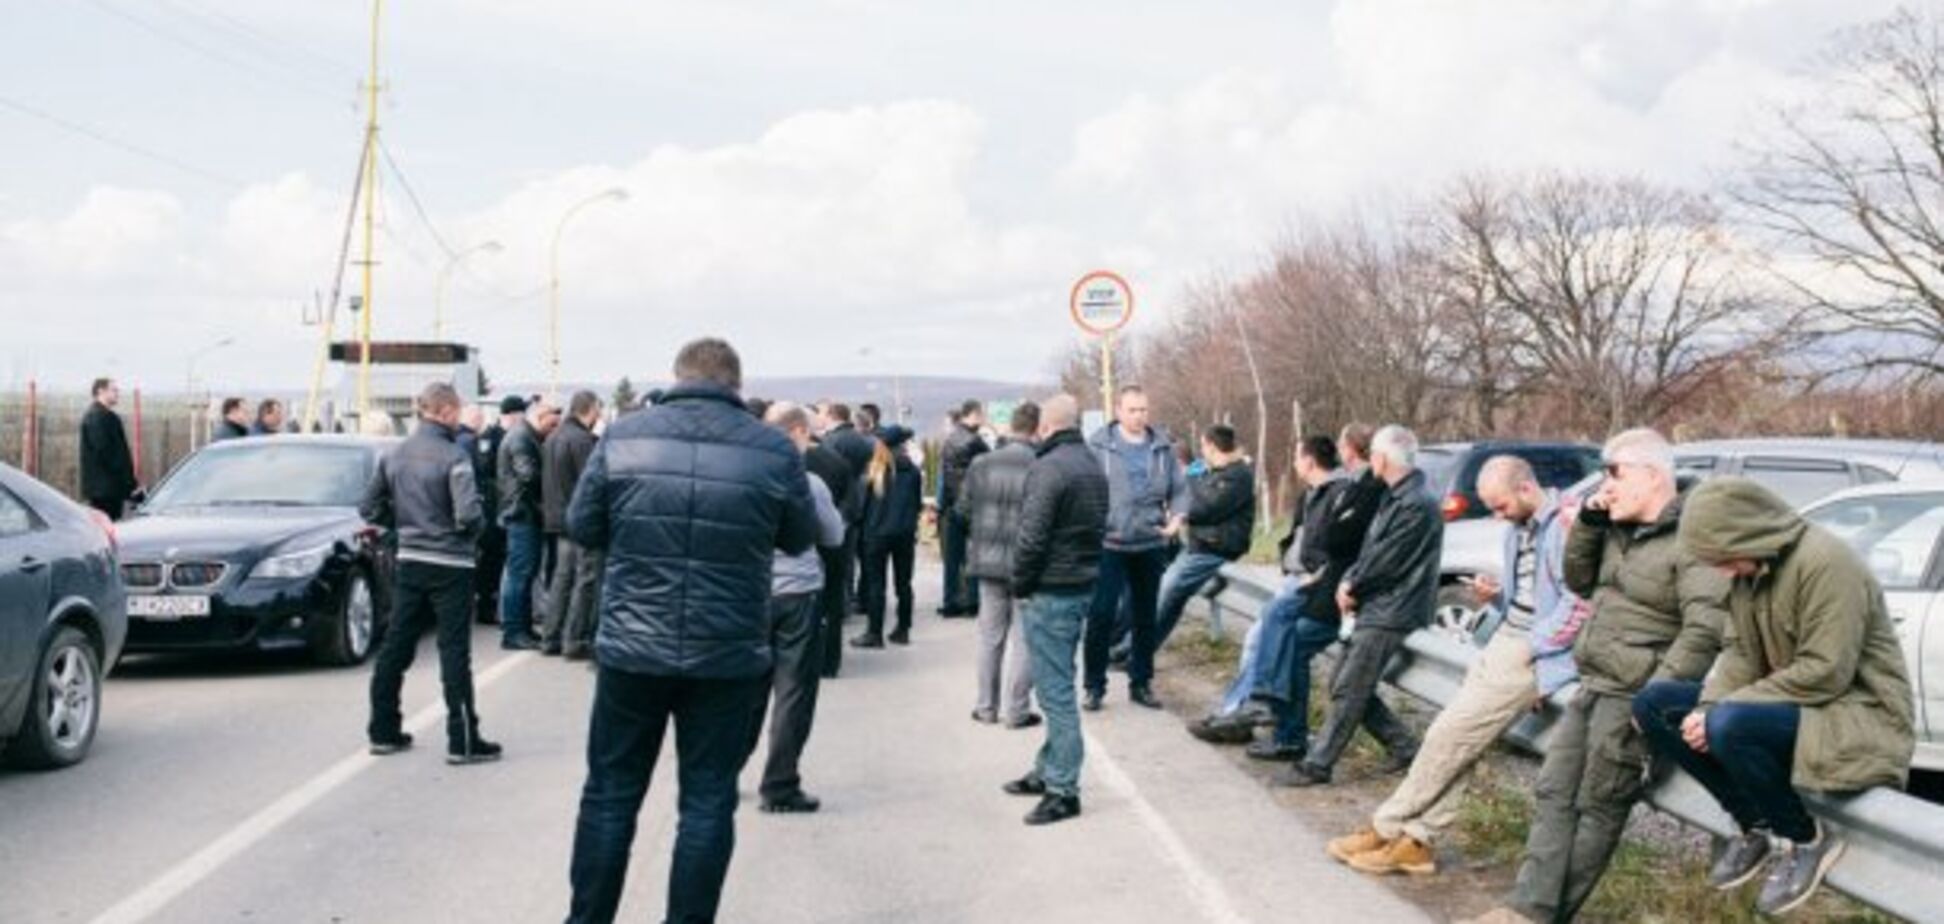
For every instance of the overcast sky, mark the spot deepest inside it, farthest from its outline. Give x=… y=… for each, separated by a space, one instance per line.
x=812 y=179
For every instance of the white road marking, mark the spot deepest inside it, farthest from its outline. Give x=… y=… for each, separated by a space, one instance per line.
x=180 y=878
x=1209 y=895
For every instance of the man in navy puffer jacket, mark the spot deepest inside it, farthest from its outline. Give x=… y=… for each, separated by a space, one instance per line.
x=691 y=499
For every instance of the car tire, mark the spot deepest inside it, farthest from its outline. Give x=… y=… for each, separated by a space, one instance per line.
x=63 y=706
x=1457 y=612
x=348 y=636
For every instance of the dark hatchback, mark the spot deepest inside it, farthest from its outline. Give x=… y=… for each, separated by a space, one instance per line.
x=257 y=545
x=1452 y=469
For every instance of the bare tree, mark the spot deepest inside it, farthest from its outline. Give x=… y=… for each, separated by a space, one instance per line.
x=1856 y=180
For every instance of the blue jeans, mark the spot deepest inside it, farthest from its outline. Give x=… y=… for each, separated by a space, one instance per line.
x=516 y=586
x=1190 y=572
x=713 y=725
x=1289 y=641
x=1237 y=694
x=1136 y=576
x=1265 y=638
x=1751 y=750
x=1054 y=622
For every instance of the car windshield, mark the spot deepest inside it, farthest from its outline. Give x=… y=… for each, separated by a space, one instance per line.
x=1894 y=534
x=1438 y=466
x=271 y=472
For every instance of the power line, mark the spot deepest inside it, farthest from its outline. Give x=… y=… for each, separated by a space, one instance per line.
x=205 y=51
x=320 y=64
x=125 y=146
x=411 y=196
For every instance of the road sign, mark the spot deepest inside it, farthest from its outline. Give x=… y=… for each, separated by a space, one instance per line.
x=1101 y=303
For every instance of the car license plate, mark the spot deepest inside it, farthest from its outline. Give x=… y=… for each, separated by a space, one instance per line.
x=176 y=606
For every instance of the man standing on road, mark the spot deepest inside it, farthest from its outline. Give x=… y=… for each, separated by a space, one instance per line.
x=107 y=467
x=569 y=629
x=1221 y=526
x=962 y=446
x=492 y=536
x=235 y=423
x=1389 y=593
x=1810 y=691
x=841 y=441
x=1149 y=504
x=269 y=419
x=519 y=513
x=1657 y=615
x=423 y=491
x=1056 y=559
x=989 y=503
x=1529 y=629
x=690 y=499
x=796 y=636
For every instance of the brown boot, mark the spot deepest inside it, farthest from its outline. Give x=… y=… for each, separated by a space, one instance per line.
x=1364 y=841
x=1407 y=854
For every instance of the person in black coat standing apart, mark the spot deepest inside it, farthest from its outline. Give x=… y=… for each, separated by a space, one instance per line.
x=107 y=467
x=893 y=500
x=690 y=500
x=962 y=446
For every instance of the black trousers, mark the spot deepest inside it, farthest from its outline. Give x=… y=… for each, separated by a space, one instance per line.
x=883 y=559
x=796 y=641
x=486 y=577
x=1354 y=702
x=110 y=507
x=833 y=605
x=425 y=595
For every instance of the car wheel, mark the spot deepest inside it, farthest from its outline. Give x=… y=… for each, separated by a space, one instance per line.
x=349 y=634
x=64 y=705
x=1457 y=613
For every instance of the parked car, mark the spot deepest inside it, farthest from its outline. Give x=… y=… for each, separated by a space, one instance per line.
x=1898 y=531
x=257 y=545
x=1452 y=470
x=62 y=622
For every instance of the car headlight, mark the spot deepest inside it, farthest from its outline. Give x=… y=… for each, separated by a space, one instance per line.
x=293 y=565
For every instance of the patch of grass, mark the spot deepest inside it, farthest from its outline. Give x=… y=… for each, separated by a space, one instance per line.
x=1191 y=643
x=1262 y=550
x=1494 y=819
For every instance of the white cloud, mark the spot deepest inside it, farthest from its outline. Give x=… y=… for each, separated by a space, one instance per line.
x=111 y=232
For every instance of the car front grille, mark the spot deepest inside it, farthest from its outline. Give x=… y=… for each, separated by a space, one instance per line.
x=138 y=574
x=195 y=574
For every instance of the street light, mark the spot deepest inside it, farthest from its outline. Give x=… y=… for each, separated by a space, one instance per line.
x=445 y=276
x=190 y=384
x=616 y=194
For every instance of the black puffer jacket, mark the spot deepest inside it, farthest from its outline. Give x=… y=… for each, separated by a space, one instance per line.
x=962 y=445
x=519 y=476
x=856 y=448
x=1062 y=519
x=423 y=488
x=1395 y=579
x=990 y=500
x=691 y=499
x=563 y=458
x=1221 y=511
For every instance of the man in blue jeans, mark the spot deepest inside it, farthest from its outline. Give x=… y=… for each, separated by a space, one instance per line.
x=519 y=471
x=691 y=499
x=1056 y=559
x=1221 y=525
x=1148 y=506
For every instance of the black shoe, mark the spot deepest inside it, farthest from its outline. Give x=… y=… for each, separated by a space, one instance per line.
x=1092 y=702
x=519 y=643
x=796 y=803
x=550 y=649
x=1223 y=729
x=391 y=744
x=1737 y=859
x=985 y=717
x=476 y=750
x=1028 y=785
x=1797 y=872
x=1028 y=720
x=1396 y=763
x=576 y=654
x=1281 y=753
x=899 y=637
x=1142 y=696
x=1300 y=775
x=1052 y=809
x=868 y=640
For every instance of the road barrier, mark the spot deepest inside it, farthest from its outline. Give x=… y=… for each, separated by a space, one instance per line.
x=1896 y=841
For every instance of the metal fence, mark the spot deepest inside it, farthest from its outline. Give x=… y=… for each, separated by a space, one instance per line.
x=46 y=440
x=1896 y=841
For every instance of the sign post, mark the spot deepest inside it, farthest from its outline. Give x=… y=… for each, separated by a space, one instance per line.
x=1101 y=304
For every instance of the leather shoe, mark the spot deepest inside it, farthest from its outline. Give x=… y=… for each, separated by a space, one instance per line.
x=1028 y=720
x=899 y=637
x=796 y=803
x=1300 y=775
x=1053 y=809
x=1142 y=696
x=519 y=644
x=868 y=640
x=1028 y=785
x=1092 y=702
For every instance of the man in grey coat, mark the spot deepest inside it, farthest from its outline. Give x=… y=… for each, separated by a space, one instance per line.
x=1147 y=506
x=576 y=587
x=990 y=502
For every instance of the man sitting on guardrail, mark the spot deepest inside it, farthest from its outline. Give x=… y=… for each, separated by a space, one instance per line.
x=1388 y=594
x=1221 y=523
x=1810 y=691
x=1657 y=614
x=1527 y=639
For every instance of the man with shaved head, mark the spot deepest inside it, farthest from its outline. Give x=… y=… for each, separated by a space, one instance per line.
x=1527 y=640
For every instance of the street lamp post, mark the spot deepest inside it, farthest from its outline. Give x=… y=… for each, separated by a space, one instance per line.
x=615 y=194
x=445 y=276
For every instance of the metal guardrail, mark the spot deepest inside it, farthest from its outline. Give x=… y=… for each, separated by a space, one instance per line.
x=1895 y=857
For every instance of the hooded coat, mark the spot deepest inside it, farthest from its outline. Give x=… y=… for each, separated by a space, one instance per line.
x=1809 y=628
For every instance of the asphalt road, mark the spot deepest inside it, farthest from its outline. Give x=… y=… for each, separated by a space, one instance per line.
x=238 y=790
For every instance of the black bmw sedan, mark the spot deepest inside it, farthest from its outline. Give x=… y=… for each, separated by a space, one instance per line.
x=256 y=545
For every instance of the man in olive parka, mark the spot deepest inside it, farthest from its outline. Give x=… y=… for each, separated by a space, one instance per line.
x=1810 y=691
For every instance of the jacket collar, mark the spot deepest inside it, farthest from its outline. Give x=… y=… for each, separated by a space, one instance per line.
x=436 y=429
x=1062 y=438
x=698 y=390
x=1413 y=481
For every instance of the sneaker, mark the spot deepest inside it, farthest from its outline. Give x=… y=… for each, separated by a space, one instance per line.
x=476 y=750
x=985 y=717
x=899 y=636
x=1223 y=729
x=1272 y=751
x=1053 y=808
x=796 y=803
x=1092 y=702
x=391 y=744
x=1301 y=775
x=1028 y=785
x=868 y=640
x=1798 y=872
x=1027 y=720
x=1364 y=841
x=1407 y=854
x=1142 y=696
x=1737 y=859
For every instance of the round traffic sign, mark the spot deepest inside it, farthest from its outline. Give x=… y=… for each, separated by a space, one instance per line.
x=1102 y=302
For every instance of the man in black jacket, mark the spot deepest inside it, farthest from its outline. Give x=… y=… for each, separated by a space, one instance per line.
x=107 y=467
x=519 y=471
x=492 y=536
x=835 y=470
x=1056 y=560
x=962 y=445
x=1221 y=526
x=989 y=503
x=235 y=423
x=269 y=419
x=1385 y=596
x=569 y=628
x=690 y=499
x=423 y=491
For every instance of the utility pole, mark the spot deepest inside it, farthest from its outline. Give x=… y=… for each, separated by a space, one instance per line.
x=370 y=215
